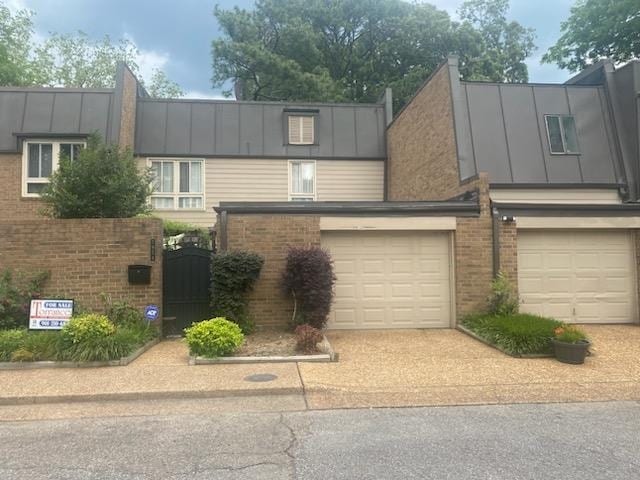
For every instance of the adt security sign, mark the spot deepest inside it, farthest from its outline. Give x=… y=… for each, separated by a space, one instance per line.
x=151 y=312
x=50 y=314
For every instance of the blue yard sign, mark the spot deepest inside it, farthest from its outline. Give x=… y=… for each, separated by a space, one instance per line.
x=151 y=312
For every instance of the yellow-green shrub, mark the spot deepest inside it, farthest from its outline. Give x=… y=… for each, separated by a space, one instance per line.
x=213 y=338
x=86 y=328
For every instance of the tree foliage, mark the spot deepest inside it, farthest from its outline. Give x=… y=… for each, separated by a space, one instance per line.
x=597 y=29
x=102 y=182
x=350 y=50
x=67 y=60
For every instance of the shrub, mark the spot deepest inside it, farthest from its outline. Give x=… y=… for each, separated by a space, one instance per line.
x=86 y=328
x=233 y=275
x=569 y=334
x=213 y=338
x=173 y=228
x=41 y=345
x=121 y=313
x=102 y=182
x=308 y=277
x=503 y=300
x=516 y=334
x=307 y=338
x=10 y=341
x=16 y=291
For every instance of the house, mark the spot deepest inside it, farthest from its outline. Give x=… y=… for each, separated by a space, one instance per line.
x=419 y=211
x=201 y=151
x=538 y=181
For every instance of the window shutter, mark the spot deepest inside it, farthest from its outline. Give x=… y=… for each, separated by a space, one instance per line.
x=307 y=130
x=294 y=130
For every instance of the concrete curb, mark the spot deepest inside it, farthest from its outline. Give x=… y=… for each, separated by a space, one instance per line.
x=480 y=339
x=52 y=364
x=328 y=355
x=155 y=395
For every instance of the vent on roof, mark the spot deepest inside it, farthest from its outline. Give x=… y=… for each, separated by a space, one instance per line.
x=301 y=130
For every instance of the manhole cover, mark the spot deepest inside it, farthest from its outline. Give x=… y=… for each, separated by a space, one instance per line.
x=261 y=377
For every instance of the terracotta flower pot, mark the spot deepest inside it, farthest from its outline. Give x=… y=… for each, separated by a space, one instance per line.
x=573 y=353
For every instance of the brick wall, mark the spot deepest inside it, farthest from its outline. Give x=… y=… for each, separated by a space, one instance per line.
x=509 y=252
x=12 y=205
x=269 y=236
x=422 y=157
x=86 y=257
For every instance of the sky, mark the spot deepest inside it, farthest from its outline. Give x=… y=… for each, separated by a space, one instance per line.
x=175 y=36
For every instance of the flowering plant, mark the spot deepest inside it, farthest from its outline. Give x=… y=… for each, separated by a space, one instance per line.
x=569 y=334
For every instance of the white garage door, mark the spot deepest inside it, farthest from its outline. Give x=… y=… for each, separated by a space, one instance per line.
x=583 y=276
x=390 y=279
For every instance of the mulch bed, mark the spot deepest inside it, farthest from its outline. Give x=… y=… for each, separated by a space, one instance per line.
x=268 y=342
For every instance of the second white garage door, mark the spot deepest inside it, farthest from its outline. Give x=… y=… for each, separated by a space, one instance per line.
x=390 y=279
x=583 y=276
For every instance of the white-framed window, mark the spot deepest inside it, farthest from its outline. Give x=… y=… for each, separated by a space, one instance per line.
x=301 y=129
x=178 y=184
x=302 y=180
x=561 y=133
x=40 y=158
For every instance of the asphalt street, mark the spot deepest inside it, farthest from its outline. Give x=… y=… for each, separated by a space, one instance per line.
x=565 y=441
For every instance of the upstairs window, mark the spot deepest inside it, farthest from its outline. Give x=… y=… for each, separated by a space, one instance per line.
x=301 y=129
x=302 y=180
x=561 y=132
x=177 y=184
x=41 y=159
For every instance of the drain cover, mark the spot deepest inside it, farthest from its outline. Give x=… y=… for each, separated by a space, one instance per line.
x=261 y=377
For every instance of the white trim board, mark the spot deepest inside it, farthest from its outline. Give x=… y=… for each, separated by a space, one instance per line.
x=387 y=223
x=577 y=222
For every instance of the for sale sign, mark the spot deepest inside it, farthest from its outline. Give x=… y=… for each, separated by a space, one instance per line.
x=50 y=314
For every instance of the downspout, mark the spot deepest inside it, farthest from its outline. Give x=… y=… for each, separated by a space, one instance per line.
x=495 y=224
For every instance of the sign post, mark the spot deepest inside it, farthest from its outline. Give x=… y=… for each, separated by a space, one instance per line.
x=49 y=314
x=151 y=312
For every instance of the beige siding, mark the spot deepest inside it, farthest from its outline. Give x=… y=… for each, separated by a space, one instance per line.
x=262 y=180
x=345 y=180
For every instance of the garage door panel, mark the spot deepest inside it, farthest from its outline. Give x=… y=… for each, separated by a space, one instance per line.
x=393 y=279
x=578 y=276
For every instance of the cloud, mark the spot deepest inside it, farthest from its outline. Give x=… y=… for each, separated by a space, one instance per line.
x=15 y=5
x=149 y=60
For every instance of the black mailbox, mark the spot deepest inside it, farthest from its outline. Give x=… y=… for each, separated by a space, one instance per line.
x=140 y=274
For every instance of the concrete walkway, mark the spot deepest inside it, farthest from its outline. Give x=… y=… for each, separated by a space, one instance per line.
x=376 y=368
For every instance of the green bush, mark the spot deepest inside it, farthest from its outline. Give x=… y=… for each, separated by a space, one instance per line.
x=213 y=338
x=10 y=341
x=121 y=313
x=233 y=275
x=86 y=328
x=516 y=334
x=503 y=300
x=102 y=182
x=16 y=291
x=569 y=334
x=173 y=228
x=41 y=345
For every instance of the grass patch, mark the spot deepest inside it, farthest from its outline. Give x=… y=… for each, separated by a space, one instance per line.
x=516 y=334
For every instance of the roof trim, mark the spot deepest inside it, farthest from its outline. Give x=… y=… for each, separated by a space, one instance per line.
x=56 y=90
x=449 y=208
x=612 y=186
x=251 y=102
x=585 y=72
x=568 y=210
x=265 y=157
x=527 y=84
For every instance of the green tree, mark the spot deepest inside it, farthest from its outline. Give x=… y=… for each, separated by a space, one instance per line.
x=102 y=182
x=349 y=50
x=505 y=45
x=597 y=29
x=16 y=67
x=67 y=60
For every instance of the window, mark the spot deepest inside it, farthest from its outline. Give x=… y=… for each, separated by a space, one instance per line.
x=302 y=180
x=561 y=131
x=177 y=184
x=301 y=130
x=40 y=160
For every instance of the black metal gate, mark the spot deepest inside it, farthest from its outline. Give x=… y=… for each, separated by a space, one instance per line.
x=186 y=287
